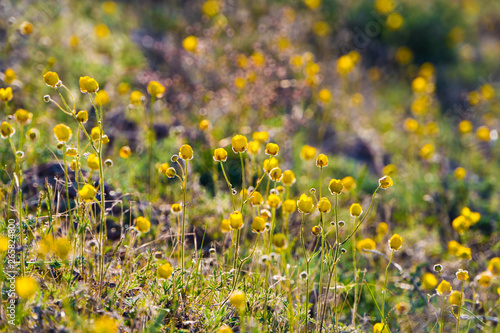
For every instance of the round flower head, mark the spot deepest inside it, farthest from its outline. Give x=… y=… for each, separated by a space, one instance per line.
x=256 y=198
x=88 y=85
x=270 y=164
x=429 y=281
x=51 y=79
x=93 y=162
x=225 y=226
x=125 y=152
x=238 y=299
x=455 y=298
x=136 y=97
x=82 y=116
x=484 y=279
x=366 y=244
x=6 y=94
x=176 y=208
x=274 y=201
x=307 y=152
x=305 y=204
x=483 y=133
x=427 y=151
x=62 y=132
x=460 y=173
x=186 y=152
x=87 y=192
x=382 y=228
x=260 y=137
x=165 y=271
x=204 y=124
x=349 y=183
x=444 y=288
x=275 y=174
x=322 y=161
x=258 y=224
x=355 y=210
x=336 y=186
x=379 y=328
x=279 y=240
x=494 y=266
x=316 y=230
x=6 y=130
x=236 y=220
x=460 y=224
x=288 y=177
x=156 y=89
x=26 y=28
x=462 y=275
x=142 y=224
x=223 y=328
x=272 y=149
x=23 y=117
x=464 y=253
x=289 y=206
x=253 y=147
x=26 y=287
x=105 y=324
x=385 y=182
x=190 y=43
x=239 y=143
x=220 y=155
x=465 y=127
x=62 y=247
x=325 y=96
x=453 y=247
x=396 y=242
x=9 y=75
x=324 y=205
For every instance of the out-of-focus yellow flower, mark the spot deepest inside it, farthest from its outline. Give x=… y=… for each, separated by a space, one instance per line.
x=88 y=84
x=460 y=173
x=256 y=198
x=366 y=244
x=464 y=253
x=374 y=74
x=305 y=204
x=395 y=242
x=483 y=133
x=142 y=224
x=156 y=89
x=453 y=247
x=394 y=21
x=93 y=162
x=385 y=182
x=74 y=41
x=62 y=132
x=296 y=62
x=349 y=183
x=345 y=65
x=419 y=85
x=307 y=152
x=404 y=55
x=258 y=59
x=165 y=271
x=239 y=82
x=279 y=240
x=322 y=161
x=429 y=281
x=389 y=169
x=103 y=97
x=253 y=147
x=190 y=43
x=380 y=328
x=272 y=149
x=289 y=206
x=313 y=4
x=4 y=242
x=241 y=60
x=186 y=152
x=225 y=226
x=427 y=151
x=224 y=329
x=62 y=247
x=136 y=97
x=494 y=266
x=236 y=220
x=462 y=275
x=239 y=143
x=321 y=28
x=487 y=91
x=6 y=94
x=455 y=298
x=26 y=287
x=444 y=288
x=420 y=105
x=261 y=137
x=26 y=28
x=204 y=124
x=210 y=8
x=9 y=76
x=105 y=324
x=324 y=205
x=385 y=6
x=465 y=127
x=176 y=208
x=411 y=125
x=288 y=177
x=87 y=192
x=270 y=164
x=109 y=7
x=125 y=152
x=258 y=224
x=101 y=30
x=23 y=117
x=484 y=279
x=382 y=228
x=238 y=299
x=473 y=98
x=274 y=201
x=220 y=155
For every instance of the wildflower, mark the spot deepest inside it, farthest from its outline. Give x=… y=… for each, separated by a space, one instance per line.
x=105 y=324
x=261 y=136
x=494 y=266
x=258 y=224
x=274 y=201
x=483 y=133
x=455 y=298
x=87 y=192
x=4 y=241
x=225 y=226
x=6 y=94
x=289 y=206
x=349 y=183
x=336 y=186
x=101 y=30
x=258 y=59
x=156 y=89
x=460 y=173
x=322 y=161
x=444 y=288
x=307 y=152
x=345 y=65
x=419 y=85
x=176 y=208
x=484 y=279
x=429 y=281
x=190 y=43
x=460 y=224
x=26 y=28
x=355 y=210
x=136 y=97
x=23 y=117
x=427 y=151
x=236 y=220
x=438 y=268
x=93 y=162
x=325 y=96
x=382 y=228
x=316 y=230
x=103 y=97
x=239 y=82
x=279 y=240
x=82 y=116
x=366 y=244
x=272 y=149
x=256 y=198
x=324 y=205
x=275 y=174
x=462 y=275
x=6 y=130
x=288 y=177
x=210 y=8
x=385 y=182
x=220 y=155
x=453 y=247
x=88 y=85
x=170 y=172
x=305 y=204
x=239 y=143
x=186 y=152
x=380 y=328
x=204 y=124
x=165 y=271
x=465 y=127
x=394 y=21
x=464 y=253
x=62 y=247
x=51 y=79
x=396 y=242
x=62 y=132
x=125 y=152
x=142 y=224
x=270 y=164
x=238 y=299
x=223 y=328
x=404 y=55
x=26 y=287
x=253 y=147
x=9 y=75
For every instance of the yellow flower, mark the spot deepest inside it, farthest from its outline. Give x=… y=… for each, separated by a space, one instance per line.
x=484 y=279
x=93 y=162
x=176 y=208
x=394 y=21
x=279 y=240
x=460 y=224
x=453 y=247
x=462 y=275
x=225 y=226
x=6 y=130
x=385 y=182
x=455 y=298
x=429 y=281
x=256 y=198
x=270 y=164
x=385 y=6
x=258 y=59
x=487 y=91
x=23 y=117
x=87 y=192
x=465 y=127
x=322 y=161
x=95 y=133
x=236 y=220
x=321 y=28
x=186 y=152
x=396 y=242
x=224 y=328
x=136 y=97
x=355 y=210
x=156 y=89
x=316 y=230
x=26 y=28
x=82 y=116
x=189 y=43
x=272 y=149
x=379 y=328
x=105 y=324
x=366 y=244
x=307 y=152
x=51 y=79
x=9 y=75
x=71 y=152
x=444 y=288
x=494 y=266
x=419 y=85
x=324 y=205
x=26 y=287
x=62 y=132
x=473 y=97
x=464 y=253
x=483 y=133
x=275 y=174
x=6 y=94
x=427 y=151
x=165 y=271
x=253 y=147
x=204 y=124
x=336 y=186
x=62 y=247
x=274 y=201
x=101 y=30
x=123 y=88
x=289 y=206
x=258 y=224
x=102 y=97
x=460 y=173
x=305 y=204
x=109 y=7
x=142 y=224
x=238 y=299
x=4 y=243
x=210 y=8
x=349 y=183
x=239 y=143
x=313 y=4
x=125 y=152
x=88 y=85
x=325 y=96
x=220 y=155
x=345 y=65
x=239 y=82
x=288 y=178
x=404 y=55
x=260 y=137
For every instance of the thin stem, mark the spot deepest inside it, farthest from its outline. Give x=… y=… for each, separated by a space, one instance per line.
x=384 y=291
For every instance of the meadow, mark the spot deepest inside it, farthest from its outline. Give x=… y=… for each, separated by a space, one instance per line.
x=250 y=166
